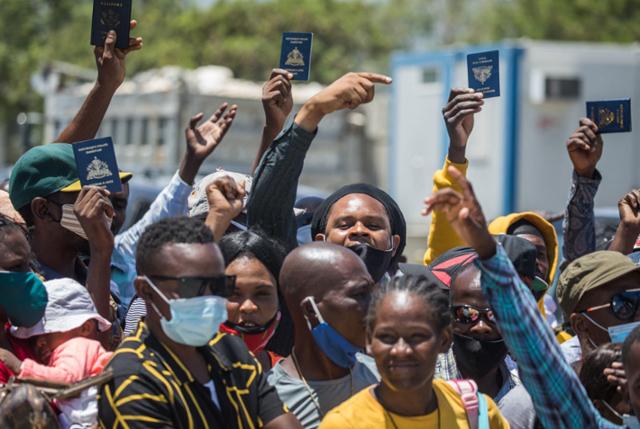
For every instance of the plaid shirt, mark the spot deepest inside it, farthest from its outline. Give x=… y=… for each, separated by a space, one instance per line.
x=558 y=396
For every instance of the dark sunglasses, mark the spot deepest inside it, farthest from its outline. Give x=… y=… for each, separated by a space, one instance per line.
x=623 y=305
x=191 y=287
x=470 y=314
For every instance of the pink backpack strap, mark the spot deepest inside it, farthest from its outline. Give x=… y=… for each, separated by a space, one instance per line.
x=468 y=391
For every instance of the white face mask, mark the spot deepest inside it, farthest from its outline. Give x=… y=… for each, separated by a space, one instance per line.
x=69 y=221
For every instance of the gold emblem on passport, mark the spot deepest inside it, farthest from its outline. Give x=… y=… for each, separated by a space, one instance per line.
x=110 y=19
x=295 y=58
x=482 y=73
x=605 y=117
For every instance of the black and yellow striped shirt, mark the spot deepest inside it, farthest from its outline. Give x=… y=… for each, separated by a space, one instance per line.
x=152 y=388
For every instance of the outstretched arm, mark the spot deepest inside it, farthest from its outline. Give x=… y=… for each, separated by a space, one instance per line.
x=110 y=62
x=275 y=182
x=458 y=116
x=277 y=103
x=585 y=150
x=558 y=396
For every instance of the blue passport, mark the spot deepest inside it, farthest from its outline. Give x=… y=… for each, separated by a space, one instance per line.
x=484 y=73
x=97 y=165
x=611 y=116
x=111 y=15
x=295 y=55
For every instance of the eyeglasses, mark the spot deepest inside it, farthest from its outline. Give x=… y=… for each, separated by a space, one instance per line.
x=470 y=314
x=623 y=305
x=191 y=287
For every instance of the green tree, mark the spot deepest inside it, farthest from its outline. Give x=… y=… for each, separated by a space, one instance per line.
x=576 y=20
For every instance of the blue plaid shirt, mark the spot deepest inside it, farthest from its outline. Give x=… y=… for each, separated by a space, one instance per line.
x=558 y=396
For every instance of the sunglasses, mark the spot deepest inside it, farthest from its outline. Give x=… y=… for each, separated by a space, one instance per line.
x=623 y=305
x=470 y=314
x=192 y=287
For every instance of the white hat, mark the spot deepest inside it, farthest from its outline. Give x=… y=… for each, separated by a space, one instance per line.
x=198 y=202
x=69 y=306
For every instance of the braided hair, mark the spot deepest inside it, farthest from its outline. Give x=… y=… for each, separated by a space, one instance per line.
x=420 y=286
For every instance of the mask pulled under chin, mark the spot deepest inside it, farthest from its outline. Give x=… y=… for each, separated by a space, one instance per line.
x=255 y=338
x=377 y=261
x=336 y=347
x=69 y=221
x=478 y=356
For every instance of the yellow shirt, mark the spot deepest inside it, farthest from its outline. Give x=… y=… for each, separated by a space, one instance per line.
x=363 y=411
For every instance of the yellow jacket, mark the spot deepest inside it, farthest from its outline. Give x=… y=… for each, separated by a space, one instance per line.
x=442 y=236
x=501 y=225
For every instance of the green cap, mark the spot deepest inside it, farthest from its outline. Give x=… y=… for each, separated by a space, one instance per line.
x=588 y=273
x=44 y=170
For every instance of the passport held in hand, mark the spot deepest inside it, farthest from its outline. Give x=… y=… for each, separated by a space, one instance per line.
x=611 y=116
x=295 y=55
x=484 y=73
x=96 y=164
x=111 y=15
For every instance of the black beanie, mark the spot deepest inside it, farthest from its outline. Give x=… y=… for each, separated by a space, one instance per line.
x=396 y=218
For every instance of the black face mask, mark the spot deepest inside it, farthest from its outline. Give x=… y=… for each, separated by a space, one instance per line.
x=377 y=261
x=252 y=329
x=477 y=357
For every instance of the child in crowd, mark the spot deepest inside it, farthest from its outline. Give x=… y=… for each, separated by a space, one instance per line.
x=65 y=339
x=65 y=343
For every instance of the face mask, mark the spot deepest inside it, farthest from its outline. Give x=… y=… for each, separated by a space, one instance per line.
x=476 y=356
x=194 y=321
x=631 y=422
x=340 y=351
x=24 y=297
x=303 y=235
x=70 y=221
x=255 y=337
x=628 y=421
x=377 y=261
x=617 y=333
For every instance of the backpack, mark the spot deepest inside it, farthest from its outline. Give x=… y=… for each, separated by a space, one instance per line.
x=474 y=402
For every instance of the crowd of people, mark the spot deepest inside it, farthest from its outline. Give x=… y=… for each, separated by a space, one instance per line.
x=230 y=304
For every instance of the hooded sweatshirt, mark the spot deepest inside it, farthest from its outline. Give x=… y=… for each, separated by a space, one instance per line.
x=501 y=225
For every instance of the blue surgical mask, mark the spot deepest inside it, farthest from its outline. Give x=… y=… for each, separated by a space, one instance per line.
x=24 y=297
x=619 y=333
x=628 y=421
x=194 y=321
x=303 y=235
x=337 y=348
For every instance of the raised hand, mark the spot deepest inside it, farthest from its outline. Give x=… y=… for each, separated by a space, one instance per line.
x=94 y=211
x=585 y=148
x=204 y=138
x=629 y=209
x=226 y=200
x=110 y=60
x=458 y=116
x=277 y=100
x=629 y=227
x=348 y=92
x=464 y=213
